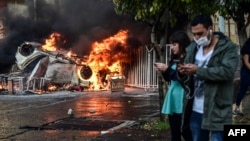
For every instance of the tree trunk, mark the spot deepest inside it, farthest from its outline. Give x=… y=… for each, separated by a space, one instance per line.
x=242 y=35
x=161 y=57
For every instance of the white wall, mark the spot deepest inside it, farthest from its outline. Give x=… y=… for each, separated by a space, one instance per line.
x=18 y=9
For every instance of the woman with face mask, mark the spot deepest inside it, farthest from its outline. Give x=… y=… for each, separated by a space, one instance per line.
x=173 y=102
x=210 y=65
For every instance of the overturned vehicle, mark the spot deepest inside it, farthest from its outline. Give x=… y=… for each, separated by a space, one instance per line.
x=41 y=68
x=37 y=70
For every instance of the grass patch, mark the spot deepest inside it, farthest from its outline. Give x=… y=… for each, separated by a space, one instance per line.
x=155 y=124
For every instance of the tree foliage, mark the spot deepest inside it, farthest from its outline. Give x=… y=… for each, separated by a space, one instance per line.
x=239 y=11
x=151 y=11
x=154 y=11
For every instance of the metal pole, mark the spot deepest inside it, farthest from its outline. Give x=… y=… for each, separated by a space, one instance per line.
x=229 y=31
x=221 y=24
x=221 y=21
x=149 y=65
x=168 y=53
x=35 y=13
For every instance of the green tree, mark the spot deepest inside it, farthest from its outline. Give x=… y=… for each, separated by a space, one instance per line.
x=239 y=11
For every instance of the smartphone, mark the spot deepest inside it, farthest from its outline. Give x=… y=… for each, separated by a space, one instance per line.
x=155 y=64
x=177 y=61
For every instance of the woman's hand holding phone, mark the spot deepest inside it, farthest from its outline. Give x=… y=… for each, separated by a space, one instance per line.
x=160 y=66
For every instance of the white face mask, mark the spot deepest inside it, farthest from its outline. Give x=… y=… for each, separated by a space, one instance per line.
x=203 y=41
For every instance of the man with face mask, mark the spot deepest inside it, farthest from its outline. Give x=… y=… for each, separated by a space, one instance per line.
x=209 y=69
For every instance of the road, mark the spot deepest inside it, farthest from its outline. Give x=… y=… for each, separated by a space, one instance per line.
x=45 y=117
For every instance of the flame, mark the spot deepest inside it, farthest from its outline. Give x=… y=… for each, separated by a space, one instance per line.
x=52 y=41
x=52 y=88
x=106 y=59
x=69 y=53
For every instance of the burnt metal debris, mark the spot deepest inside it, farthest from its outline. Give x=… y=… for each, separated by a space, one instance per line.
x=37 y=70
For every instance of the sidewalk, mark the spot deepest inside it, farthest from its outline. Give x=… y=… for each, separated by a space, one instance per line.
x=135 y=133
x=245 y=106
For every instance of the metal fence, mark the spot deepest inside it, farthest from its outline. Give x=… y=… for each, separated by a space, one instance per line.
x=141 y=73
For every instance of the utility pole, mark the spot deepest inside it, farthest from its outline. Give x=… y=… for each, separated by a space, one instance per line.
x=221 y=20
x=35 y=13
x=221 y=24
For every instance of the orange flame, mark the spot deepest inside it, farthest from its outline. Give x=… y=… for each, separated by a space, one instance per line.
x=106 y=59
x=52 y=88
x=51 y=42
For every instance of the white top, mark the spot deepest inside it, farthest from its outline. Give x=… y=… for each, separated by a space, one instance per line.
x=201 y=61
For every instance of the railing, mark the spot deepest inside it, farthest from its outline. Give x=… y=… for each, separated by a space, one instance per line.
x=141 y=73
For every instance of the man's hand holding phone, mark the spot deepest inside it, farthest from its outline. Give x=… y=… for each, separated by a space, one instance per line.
x=187 y=68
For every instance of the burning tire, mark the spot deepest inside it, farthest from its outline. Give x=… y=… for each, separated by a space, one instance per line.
x=86 y=72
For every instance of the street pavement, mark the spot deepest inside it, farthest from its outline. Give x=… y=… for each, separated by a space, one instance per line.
x=48 y=117
x=245 y=107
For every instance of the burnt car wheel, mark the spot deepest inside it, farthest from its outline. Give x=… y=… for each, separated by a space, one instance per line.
x=86 y=72
x=26 y=49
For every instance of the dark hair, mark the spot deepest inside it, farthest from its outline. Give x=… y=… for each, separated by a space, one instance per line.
x=205 y=20
x=182 y=39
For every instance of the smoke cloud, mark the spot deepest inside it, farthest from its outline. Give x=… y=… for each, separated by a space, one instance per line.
x=81 y=22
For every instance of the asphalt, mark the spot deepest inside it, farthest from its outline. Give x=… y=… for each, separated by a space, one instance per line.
x=47 y=117
x=96 y=116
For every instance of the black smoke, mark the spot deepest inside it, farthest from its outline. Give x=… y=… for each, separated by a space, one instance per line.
x=81 y=22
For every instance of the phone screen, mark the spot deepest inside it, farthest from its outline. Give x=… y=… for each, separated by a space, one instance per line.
x=177 y=60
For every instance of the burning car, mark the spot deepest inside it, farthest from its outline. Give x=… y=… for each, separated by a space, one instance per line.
x=37 y=69
x=44 y=67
